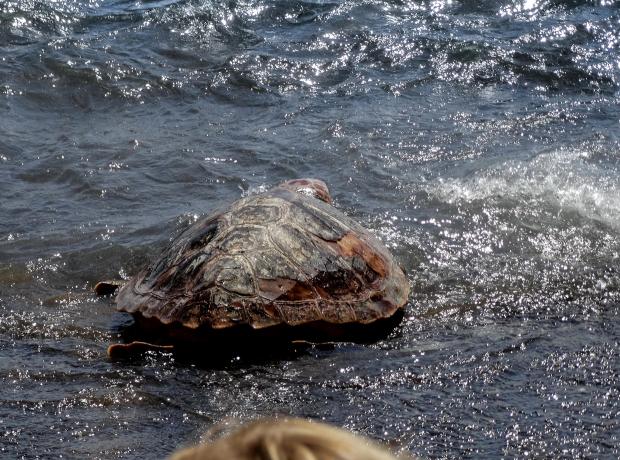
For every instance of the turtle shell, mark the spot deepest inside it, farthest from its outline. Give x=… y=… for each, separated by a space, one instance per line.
x=285 y=257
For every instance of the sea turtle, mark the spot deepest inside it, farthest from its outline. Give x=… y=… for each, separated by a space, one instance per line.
x=280 y=265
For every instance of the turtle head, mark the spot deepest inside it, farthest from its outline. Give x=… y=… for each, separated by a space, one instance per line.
x=313 y=187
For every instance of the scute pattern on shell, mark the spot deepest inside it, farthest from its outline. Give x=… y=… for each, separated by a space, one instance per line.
x=272 y=258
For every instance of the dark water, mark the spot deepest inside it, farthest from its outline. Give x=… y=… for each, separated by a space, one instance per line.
x=479 y=139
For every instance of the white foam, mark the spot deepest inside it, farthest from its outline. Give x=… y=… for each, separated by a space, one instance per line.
x=569 y=180
x=255 y=190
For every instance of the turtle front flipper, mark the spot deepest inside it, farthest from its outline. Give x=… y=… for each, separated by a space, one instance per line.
x=119 y=351
x=108 y=287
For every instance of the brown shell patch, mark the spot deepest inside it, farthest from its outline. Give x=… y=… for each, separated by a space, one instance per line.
x=299 y=312
x=283 y=289
x=350 y=245
x=337 y=312
x=255 y=214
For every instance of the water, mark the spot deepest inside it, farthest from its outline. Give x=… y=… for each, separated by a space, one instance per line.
x=479 y=140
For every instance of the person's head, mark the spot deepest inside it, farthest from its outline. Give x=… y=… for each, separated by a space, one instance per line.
x=287 y=439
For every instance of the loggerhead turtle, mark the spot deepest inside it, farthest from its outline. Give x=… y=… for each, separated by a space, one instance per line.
x=280 y=265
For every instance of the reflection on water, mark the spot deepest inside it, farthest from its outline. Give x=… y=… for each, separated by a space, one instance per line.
x=478 y=140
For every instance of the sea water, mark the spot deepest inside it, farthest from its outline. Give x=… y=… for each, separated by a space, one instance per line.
x=479 y=140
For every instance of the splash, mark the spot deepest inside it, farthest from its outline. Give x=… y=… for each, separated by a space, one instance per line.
x=568 y=181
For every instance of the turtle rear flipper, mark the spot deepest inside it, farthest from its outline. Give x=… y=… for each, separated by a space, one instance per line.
x=108 y=287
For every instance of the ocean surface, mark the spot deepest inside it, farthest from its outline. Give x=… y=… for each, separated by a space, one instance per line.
x=480 y=140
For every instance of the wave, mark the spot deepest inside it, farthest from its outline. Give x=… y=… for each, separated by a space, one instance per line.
x=569 y=181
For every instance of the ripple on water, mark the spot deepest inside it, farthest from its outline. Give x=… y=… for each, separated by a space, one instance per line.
x=223 y=49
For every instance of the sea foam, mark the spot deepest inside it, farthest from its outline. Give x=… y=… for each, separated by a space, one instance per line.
x=572 y=181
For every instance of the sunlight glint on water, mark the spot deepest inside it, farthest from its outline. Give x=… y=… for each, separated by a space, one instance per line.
x=478 y=140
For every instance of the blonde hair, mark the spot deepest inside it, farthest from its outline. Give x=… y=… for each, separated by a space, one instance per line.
x=288 y=439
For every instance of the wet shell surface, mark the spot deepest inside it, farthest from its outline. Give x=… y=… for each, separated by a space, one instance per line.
x=285 y=257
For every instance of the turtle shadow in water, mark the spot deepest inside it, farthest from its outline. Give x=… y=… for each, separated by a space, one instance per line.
x=243 y=345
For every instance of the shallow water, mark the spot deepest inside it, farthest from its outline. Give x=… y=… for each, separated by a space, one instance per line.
x=479 y=140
